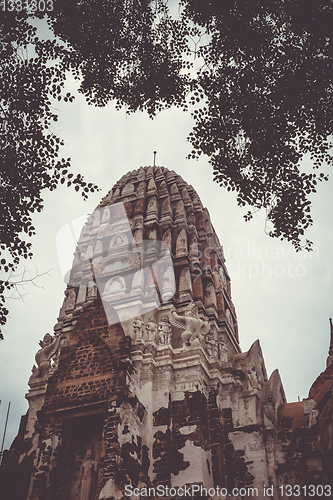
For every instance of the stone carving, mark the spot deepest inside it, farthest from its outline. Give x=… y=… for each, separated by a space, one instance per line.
x=181 y=243
x=223 y=349
x=217 y=281
x=194 y=327
x=179 y=212
x=91 y=290
x=137 y=282
x=174 y=190
x=210 y=296
x=141 y=173
x=118 y=241
x=193 y=249
x=97 y=218
x=152 y=205
x=152 y=235
x=87 y=478
x=210 y=344
x=190 y=219
x=141 y=188
x=70 y=299
x=223 y=276
x=49 y=347
x=139 y=328
x=115 y=285
x=186 y=198
x=103 y=230
x=151 y=185
x=106 y=215
x=273 y=396
x=164 y=330
x=151 y=329
x=119 y=228
x=167 y=239
x=166 y=207
x=138 y=237
x=313 y=417
x=252 y=364
x=229 y=319
x=168 y=284
x=128 y=189
x=253 y=377
x=163 y=191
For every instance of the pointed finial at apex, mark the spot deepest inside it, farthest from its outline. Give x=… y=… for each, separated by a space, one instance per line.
x=155 y=152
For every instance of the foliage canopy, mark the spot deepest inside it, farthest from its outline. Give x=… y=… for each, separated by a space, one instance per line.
x=257 y=74
x=29 y=149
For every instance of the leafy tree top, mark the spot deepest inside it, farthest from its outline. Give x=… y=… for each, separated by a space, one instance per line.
x=259 y=73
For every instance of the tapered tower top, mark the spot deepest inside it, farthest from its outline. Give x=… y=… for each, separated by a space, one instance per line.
x=149 y=244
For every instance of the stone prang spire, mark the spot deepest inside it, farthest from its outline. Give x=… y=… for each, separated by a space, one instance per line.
x=143 y=390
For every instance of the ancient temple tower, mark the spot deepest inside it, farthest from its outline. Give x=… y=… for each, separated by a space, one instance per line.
x=143 y=384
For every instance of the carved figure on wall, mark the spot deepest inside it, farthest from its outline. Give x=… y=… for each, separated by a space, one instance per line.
x=152 y=205
x=91 y=290
x=195 y=328
x=167 y=239
x=253 y=377
x=229 y=319
x=223 y=349
x=164 y=330
x=181 y=243
x=151 y=329
x=49 y=346
x=139 y=328
x=106 y=215
x=273 y=395
x=210 y=296
x=87 y=478
x=115 y=285
x=118 y=241
x=253 y=366
x=210 y=346
x=97 y=218
x=313 y=416
x=168 y=284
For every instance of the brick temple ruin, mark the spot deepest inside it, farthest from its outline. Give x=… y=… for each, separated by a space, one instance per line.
x=143 y=384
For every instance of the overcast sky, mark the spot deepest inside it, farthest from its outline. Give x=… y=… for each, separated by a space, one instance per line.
x=281 y=298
